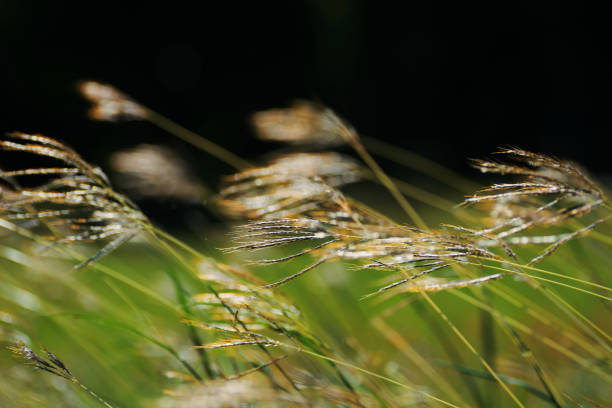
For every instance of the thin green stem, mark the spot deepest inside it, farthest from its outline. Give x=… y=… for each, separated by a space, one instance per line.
x=471 y=348
x=544 y=271
x=420 y=163
x=540 y=278
x=552 y=343
x=196 y=140
x=431 y=199
x=161 y=233
x=419 y=362
x=583 y=317
x=527 y=354
x=386 y=181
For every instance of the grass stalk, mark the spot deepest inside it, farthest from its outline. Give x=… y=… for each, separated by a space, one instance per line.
x=472 y=349
x=196 y=140
x=419 y=163
x=387 y=182
x=422 y=364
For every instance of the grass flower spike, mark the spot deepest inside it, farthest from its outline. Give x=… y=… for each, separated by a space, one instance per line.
x=109 y=104
x=151 y=171
x=52 y=365
x=72 y=202
x=549 y=193
x=289 y=184
x=304 y=123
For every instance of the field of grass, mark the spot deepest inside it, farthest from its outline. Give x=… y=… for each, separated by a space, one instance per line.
x=147 y=319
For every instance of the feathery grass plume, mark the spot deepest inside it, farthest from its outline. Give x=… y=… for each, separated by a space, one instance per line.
x=438 y=284
x=241 y=291
x=337 y=229
x=51 y=364
x=550 y=192
x=73 y=203
x=307 y=123
x=303 y=123
x=240 y=309
x=109 y=104
x=153 y=171
x=310 y=124
x=252 y=324
x=241 y=314
x=289 y=184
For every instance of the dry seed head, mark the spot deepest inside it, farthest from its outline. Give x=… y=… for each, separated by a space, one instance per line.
x=109 y=103
x=150 y=171
x=51 y=364
x=341 y=230
x=302 y=123
x=245 y=318
x=549 y=192
x=290 y=184
x=542 y=176
x=439 y=284
x=334 y=168
x=286 y=198
x=75 y=202
x=237 y=301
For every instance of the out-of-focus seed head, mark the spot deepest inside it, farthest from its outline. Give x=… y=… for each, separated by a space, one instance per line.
x=290 y=184
x=253 y=391
x=109 y=104
x=303 y=123
x=150 y=171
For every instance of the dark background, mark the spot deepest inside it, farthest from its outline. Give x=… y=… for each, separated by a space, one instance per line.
x=448 y=81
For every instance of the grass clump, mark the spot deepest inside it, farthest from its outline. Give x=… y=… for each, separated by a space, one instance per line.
x=398 y=315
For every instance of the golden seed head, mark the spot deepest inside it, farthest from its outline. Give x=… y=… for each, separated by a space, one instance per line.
x=302 y=123
x=109 y=104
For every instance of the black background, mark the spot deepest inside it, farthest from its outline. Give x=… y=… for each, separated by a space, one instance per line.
x=446 y=80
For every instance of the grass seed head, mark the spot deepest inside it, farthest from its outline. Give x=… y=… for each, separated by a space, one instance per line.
x=109 y=104
x=51 y=364
x=548 y=193
x=237 y=302
x=151 y=171
x=303 y=123
x=337 y=229
x=540 y=176
x=73 y=203
x=288 y=185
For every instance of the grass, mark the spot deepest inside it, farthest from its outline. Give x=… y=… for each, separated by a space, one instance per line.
x=504 y=302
